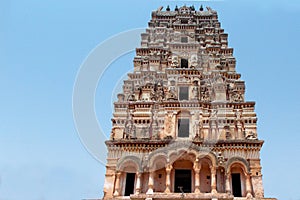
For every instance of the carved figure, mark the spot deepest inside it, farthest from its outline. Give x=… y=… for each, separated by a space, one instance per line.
x=169 y=124
x=237 y=97
x=160 y=92
x=194 y=61
x=172 y=94
x=196 y=128
x=251 y=136
x=195 y=90
x=175 y=62
x=131 y=97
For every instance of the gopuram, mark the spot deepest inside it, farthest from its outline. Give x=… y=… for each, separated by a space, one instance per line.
x=181 y=127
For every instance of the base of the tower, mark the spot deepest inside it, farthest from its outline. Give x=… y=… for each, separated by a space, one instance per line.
x=187 y=196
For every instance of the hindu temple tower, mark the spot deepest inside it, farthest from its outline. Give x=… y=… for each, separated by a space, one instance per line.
x=181 y=128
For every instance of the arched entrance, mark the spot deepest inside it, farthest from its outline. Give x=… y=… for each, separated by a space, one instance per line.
x=183 y=176
x=128 y=176
x=129 y=184
x=238 y=178
x=237 y=181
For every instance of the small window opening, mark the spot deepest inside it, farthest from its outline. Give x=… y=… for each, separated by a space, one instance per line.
x=183 y=127
x=184 y=39
x=183 y=93
x=184 y=63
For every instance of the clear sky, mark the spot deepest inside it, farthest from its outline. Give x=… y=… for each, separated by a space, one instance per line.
x=44 y=43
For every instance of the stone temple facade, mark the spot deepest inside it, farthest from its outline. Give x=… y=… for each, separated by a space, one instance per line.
x=181 y=127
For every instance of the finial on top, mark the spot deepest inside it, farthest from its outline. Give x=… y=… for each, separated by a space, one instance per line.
x=176 y=8
x=201 y=8
x=168 y=8
x=192 y=8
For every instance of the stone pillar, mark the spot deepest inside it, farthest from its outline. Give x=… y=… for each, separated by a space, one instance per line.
x=227 y=184
x=117 y=184
x=213 y=130
x=138 y=183
x=248 y=186
x=213 y=180
x=239 y=130
x=197 y=176
x=169 y=168
x=150 y=183
x=257 y=184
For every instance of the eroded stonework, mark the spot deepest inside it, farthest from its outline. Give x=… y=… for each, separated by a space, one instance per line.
x=181 y=126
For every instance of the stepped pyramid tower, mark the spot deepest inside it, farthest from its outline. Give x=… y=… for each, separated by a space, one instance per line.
x=181 y=127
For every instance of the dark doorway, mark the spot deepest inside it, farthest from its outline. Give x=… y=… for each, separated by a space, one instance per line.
x=183 y=127
x=129 y=186
x=236 y=185
x=183 y=178
x=184 y=63
x=183 y=93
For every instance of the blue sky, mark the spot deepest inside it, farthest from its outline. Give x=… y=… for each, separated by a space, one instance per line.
x=44 y=43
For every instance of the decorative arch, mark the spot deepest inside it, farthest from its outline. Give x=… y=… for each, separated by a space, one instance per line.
x=161 y=152
x=127 y=160
x=210 y=156
x=161 y=156
x=182 y=154
x=182 y=147
x=238 y=160
x=183 y=113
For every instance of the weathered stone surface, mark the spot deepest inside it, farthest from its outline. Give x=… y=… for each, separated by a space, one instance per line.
x=182 y=127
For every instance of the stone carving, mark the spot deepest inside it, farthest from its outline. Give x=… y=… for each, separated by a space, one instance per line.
x=205 y=96
x=172 y=92
x=205 y=93
x=157 y=93
x=237 y=97
x=153 y=95
x=169 y=123
x=194 y=61
x=177 y=21
x=148 y=79
x=131 y=97
x=195 y=91
x=238 y=114
x=169 y=126
x=130 y=129
x=251 y=136
x=228 y=135
x=221 y=159
x=184 y=79
x=219 y=79
x=160 y=92
x=196 y=127
x=214 y=114
x=227 y=132
x=175 y=62
x=121 y=97
x=165 y=55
